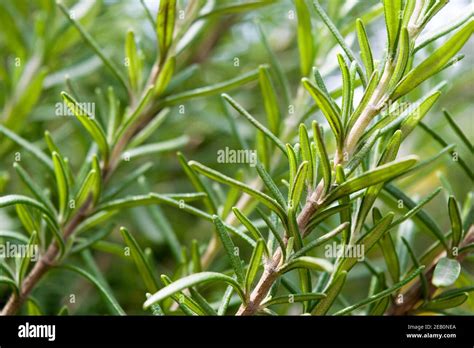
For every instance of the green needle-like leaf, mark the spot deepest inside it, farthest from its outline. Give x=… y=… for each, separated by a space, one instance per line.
x=94 y=45
x=140 y=260
x=230 y=249
x=212 y=89
x=40 y=155
x=435 y=61
x=89 y=123
x=132 y=60
x=446 y=302
x=270 y=101
x=456 y=222
x=8 y=200
x=372 y=192
x=156 y=148
x=402 y=57
x=368 y=240
x=296 y=188
x=307 y=154
x=392 y=9
x=34 y=188
x=165 y=25
x=189 y=281
x=305 y=37
x=416 y=113
x=378 y=175
x=337 y=35
x=326 y=108
x=331 y=292
x=254 y=264
x=251 y=228
x=263 y=198
x=365 y=50
x=323 y=155
x=26 y=260
x=381 y=294
x=293 y=298
x=109 y=297
x=308 y=262
x=270 y=184
x=62 y=184
x=458 y=130
x=255 y=123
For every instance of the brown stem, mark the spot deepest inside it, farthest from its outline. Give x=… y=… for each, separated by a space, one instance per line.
x=270 y=273
x=46 y=261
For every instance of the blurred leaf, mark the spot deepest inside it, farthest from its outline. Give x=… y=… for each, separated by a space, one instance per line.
x=27 y=146
x=255 y=123
x=456 y=221
x=93 y=44
x=305 y=37
x=189 y=281
x=132 y=60
x=8 y=200
x=291 y=298
x=109 y=297
x=62 y=184
x=331 y=292
x=308 y=262
x=445 y=302
x=156 y=148
x=263 y=198
x=458 y=130
x=229 y=9
x=446 y=272
x=269 y=99
x=337 y=35
x=381 y=294
x=26 y=260
x=34 y=188
x=212 y=89
x=416 y=263
x=165 y=25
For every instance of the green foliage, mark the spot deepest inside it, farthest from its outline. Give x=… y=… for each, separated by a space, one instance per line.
x=260 y=211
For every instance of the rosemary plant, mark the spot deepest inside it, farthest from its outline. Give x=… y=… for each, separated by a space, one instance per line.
x=317 y=195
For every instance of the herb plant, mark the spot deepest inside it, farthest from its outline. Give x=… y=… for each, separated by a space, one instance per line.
x=320 y=206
